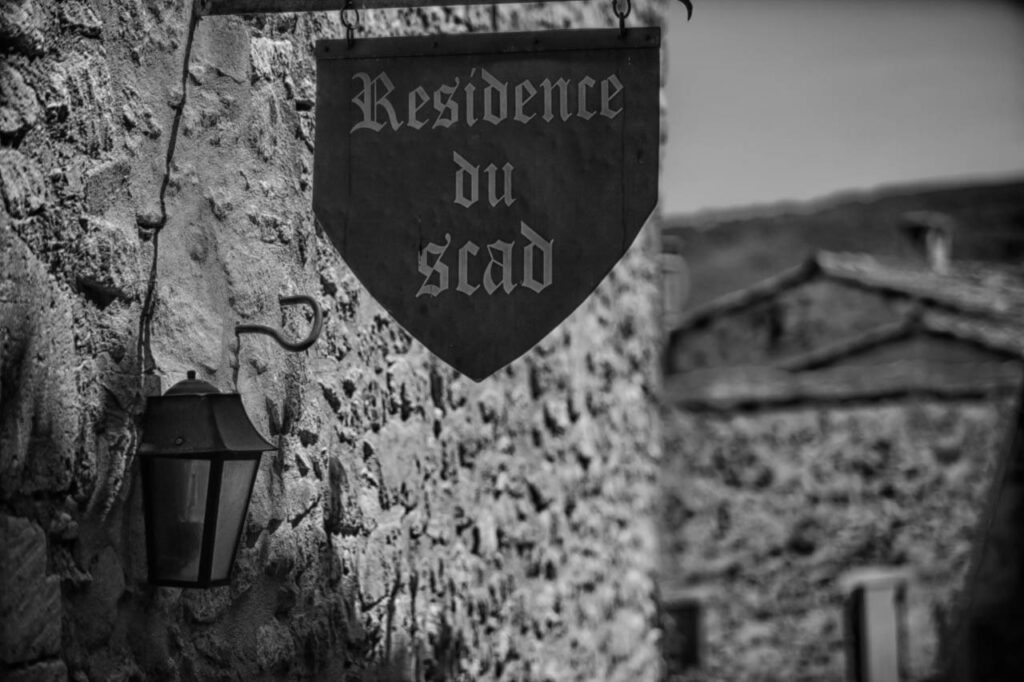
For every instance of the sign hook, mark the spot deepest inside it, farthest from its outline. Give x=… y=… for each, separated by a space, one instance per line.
x=293 y=346
x=622 y=14
x=350 y=26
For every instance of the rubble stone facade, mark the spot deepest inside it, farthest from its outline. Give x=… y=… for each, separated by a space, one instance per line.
x=412 y=525
x=847 y=416
x=768 y=510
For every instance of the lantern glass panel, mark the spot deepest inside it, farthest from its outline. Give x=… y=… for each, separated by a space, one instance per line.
x=180 y=495
x=234 y=500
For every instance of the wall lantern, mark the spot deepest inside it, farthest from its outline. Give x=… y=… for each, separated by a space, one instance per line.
x=200 y=453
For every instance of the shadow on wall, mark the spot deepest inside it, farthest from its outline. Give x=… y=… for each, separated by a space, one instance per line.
x=989 y=635
x=292 y=611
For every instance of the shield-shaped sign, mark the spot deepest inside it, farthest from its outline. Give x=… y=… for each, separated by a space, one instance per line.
x=481 y=186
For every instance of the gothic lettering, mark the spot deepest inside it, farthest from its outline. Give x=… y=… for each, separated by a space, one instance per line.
x=374 y=97
x=492 y=184
x=521 y=101
x=467 y=183
x=563 y=98
x=417 y=98
x=438 y=267
x=482 y=97
x=446 y=106
x=495 y=91
x=581 y=99
x=468 y=249
x=470 y=102
x=607 y=95
x=538 y=244
x=536 y=255
x=501 y=255
x=466 y=174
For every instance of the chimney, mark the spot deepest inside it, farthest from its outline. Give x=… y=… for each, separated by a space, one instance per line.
x=931 y=235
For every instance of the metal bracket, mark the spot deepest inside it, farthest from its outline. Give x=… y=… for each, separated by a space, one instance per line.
x=296 y=346
x=213 y=7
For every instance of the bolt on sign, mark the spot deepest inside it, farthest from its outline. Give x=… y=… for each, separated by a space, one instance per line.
x=481 y=186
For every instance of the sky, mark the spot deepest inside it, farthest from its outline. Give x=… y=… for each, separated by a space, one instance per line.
x=797 y=99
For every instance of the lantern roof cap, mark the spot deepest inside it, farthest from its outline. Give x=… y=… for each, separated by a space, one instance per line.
x=192 y=386
x=194 y=418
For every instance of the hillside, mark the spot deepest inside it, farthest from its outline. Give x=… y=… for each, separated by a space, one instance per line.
x=728 y=250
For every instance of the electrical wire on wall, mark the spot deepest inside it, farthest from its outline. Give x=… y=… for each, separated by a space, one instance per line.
x=144 y=350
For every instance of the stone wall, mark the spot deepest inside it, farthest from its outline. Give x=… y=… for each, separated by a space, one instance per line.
x=413 y=525
x=765 y=511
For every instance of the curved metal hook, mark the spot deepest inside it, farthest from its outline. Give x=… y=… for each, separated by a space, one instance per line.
x=294 y=347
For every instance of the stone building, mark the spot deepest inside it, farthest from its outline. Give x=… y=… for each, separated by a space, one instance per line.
x=844 y=415
x=412 y=524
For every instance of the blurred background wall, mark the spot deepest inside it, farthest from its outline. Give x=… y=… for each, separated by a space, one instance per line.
x=843 y=251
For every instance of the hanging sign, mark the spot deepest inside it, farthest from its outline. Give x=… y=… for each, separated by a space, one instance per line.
x=481 y=186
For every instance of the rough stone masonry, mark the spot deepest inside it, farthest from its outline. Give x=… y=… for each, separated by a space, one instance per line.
x=412 y=525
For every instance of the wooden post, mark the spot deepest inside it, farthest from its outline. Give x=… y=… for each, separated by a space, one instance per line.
x=875 y=624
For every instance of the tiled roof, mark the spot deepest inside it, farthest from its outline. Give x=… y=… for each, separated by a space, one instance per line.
x=971 y=289
x=974 y=304
x=999 y=338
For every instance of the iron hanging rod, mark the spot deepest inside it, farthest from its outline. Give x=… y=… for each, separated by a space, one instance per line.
x=214 y=7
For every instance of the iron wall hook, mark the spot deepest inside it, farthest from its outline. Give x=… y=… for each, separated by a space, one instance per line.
x=296 y=346
x=622 y=14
